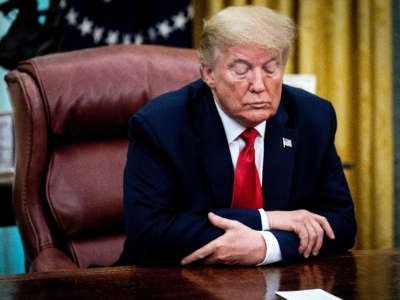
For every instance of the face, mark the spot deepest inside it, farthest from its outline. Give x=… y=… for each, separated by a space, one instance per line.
x=246 y=81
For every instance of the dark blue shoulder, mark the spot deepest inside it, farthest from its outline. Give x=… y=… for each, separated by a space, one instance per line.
x=172 y=101
x=297 y=94
x=304 y=106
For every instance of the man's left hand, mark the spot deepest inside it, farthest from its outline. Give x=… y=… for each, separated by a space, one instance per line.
x=239 y=245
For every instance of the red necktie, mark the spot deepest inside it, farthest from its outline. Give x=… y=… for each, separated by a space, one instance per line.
x=247 y=191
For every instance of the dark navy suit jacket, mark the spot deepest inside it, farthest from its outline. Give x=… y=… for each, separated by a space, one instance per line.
x=179 y=168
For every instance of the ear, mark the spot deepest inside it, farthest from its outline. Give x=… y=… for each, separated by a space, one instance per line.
x=208 y=75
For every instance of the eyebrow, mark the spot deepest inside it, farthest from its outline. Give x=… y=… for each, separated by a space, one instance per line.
x=275 y=58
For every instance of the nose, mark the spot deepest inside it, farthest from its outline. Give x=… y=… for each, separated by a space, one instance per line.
x=257 y=82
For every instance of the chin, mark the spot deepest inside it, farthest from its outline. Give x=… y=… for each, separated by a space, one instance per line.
x=258 y=118
x=253 y=118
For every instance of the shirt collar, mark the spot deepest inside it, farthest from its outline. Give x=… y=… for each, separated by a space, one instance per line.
x=233 y=129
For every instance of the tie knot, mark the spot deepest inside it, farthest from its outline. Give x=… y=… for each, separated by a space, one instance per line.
x=249 y=135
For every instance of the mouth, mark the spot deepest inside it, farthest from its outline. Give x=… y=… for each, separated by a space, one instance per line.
x=259 y=105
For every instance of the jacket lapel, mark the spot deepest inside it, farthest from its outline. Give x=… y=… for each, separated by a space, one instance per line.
x=213 y=149
x=278 y=161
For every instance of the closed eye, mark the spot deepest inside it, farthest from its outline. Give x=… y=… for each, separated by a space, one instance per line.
x=240 y=68
x=271 y=66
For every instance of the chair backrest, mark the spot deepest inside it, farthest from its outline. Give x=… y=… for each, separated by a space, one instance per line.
x=71 y=112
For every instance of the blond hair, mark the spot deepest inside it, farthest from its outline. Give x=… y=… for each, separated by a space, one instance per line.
x=238 y=25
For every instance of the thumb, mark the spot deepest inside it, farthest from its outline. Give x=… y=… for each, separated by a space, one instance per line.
x=220 y=222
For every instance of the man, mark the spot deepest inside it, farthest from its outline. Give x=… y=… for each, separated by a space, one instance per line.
x=236 y=168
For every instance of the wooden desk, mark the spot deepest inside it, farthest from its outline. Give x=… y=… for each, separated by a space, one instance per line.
x=356 y=275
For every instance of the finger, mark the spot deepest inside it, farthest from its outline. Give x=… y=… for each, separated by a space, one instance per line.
x=220 y=222
x=200 y=253
x=210 y=260
x=216 y=258
x=320 y=237
x=311 y=240
x=303 y=235
x=326 y=227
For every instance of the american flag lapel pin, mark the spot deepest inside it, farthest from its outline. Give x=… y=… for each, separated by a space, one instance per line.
x=287 y=142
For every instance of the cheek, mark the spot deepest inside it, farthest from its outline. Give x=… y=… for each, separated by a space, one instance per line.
x=235 y=90
x=230 y=83
x=275 y=91
x=277 y=97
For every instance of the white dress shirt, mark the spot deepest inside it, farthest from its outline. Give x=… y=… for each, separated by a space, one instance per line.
x=233 y=130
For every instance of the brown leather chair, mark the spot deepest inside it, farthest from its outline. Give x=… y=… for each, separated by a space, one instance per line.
x=71 y=112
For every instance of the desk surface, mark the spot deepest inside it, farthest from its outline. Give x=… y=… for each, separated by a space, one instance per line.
x=372 y=274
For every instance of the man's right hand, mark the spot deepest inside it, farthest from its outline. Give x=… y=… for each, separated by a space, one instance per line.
x=239 y=245
x=308 y=226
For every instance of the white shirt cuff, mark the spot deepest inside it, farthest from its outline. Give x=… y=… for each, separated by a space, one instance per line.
x=273 y=254
x=264 y=220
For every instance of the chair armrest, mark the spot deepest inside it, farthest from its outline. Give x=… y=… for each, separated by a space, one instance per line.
x=52 y=259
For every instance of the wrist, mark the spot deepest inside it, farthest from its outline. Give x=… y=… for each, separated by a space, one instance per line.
x=270 y=218
x=264 y=220
x=273 y=253
x=262 y=250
